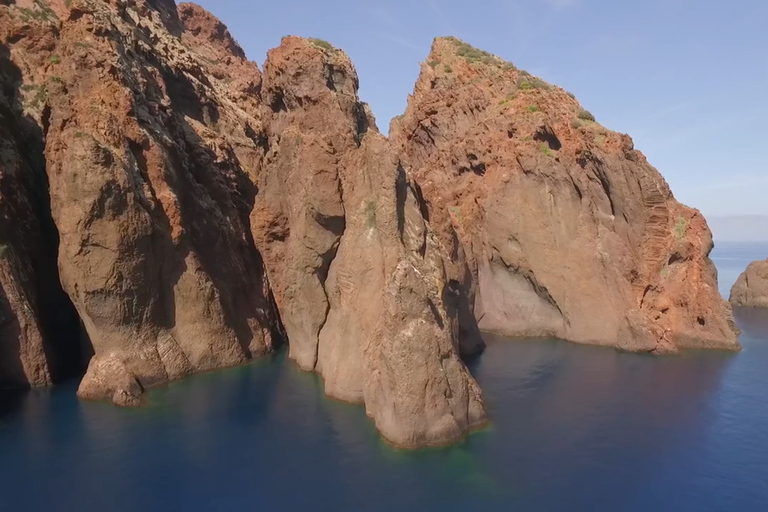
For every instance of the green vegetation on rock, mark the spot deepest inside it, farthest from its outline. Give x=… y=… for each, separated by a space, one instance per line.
x=586 y=115
x=323 y=44
x=370 y=214
x=472 y=54
x=680 y=227
x=526 y=81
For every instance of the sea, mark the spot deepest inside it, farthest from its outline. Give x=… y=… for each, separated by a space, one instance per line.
x=573 y=428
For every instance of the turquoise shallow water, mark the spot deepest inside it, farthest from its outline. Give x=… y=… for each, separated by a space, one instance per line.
x=573 y=428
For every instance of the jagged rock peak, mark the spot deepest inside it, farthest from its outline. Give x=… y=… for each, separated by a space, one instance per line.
x=301 y=71
x=205 y=28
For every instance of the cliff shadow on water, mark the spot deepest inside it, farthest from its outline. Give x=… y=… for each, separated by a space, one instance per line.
x=65 y=342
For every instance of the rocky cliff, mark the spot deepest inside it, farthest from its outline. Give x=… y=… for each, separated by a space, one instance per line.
x=149 y=162
x=172 y=169
x=751 y=288
x=192 y=213
x=40 y=337
x=554 y=225
x=356 y=273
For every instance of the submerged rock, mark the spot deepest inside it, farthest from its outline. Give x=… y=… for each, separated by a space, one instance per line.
x=751 y=288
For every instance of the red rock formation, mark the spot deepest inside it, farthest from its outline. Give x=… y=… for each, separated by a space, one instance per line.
x=153 y=155
x=751 y=288
x=149 y=164
x=39 y=332
x=23 y=359
x=355 y=271
x=174 y=166
x=565 y=228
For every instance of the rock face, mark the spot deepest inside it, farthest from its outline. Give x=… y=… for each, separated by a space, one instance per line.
x=39 y=330
x=191 y=214
x=555 y=226
x=751 y=288
x=23 y=359
x=172 y=169
x=355 y=270
x=149 y=163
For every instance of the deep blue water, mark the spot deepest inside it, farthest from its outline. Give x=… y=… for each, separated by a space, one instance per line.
x=573 y=428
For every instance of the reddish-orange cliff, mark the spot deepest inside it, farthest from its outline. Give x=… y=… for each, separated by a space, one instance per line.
x=191 y=213
x=556 y=225
x=39 y=329
x=355 y=271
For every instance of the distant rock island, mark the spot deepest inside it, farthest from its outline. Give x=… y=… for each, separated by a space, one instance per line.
x=751 y=288
x=167 y=208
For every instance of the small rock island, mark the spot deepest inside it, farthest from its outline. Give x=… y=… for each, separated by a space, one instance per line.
x=751 y=288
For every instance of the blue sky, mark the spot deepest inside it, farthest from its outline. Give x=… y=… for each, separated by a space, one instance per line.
x=687 y=79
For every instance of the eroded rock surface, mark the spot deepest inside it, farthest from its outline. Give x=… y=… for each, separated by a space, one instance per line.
x=751 y=288
x=39 y=330
x=23 y=358
x=563 y=227
x=149 y=161
x=355 y=270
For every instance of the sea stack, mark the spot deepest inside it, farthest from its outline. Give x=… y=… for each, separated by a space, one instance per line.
x=751 y=288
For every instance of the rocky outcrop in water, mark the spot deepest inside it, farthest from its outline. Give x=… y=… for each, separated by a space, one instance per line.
x=198 y=213
x=172 y=169
x=356 y=273
x=554 y=225
x=751 y=288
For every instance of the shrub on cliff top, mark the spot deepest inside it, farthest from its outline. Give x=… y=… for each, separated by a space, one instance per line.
x=322 y=44
x=586 y=115
x=526 y=81
x=472 y=54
